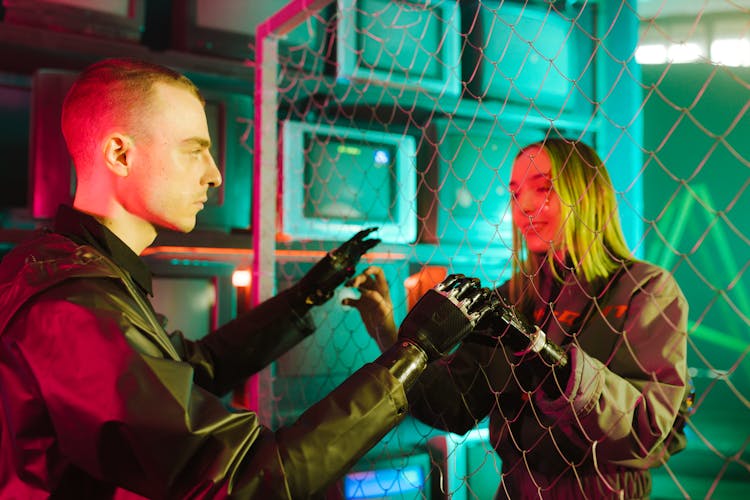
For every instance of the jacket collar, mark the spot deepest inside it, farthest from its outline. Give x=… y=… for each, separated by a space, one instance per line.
x=84 y=229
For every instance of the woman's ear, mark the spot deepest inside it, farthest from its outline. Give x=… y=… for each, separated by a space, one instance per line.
x=117 y=154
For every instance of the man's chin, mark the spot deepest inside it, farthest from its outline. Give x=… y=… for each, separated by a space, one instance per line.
x=187 y=229
x=184 y=228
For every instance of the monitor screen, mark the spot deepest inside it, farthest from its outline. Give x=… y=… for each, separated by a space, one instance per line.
x=227 y=28
x=398 y=467
x=351 y=180
x=531 y=53
x=403 y=43
x=339 y=180
x=187 y=303
x=195 y=296
x=400 y=482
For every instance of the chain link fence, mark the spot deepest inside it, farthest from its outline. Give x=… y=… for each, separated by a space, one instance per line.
x=407 y=115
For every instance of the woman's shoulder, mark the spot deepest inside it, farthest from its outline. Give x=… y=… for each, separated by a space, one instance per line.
x=643 y=274
x=642 y=268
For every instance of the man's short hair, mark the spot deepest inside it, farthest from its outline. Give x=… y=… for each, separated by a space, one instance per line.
x=112 y=92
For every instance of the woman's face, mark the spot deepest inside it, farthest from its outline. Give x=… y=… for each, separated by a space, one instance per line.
x=536 y=207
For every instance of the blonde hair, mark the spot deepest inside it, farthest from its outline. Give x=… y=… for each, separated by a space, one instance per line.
x=592 y=236
x=113 y=92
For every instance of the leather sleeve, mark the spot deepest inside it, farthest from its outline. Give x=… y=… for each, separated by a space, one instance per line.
x=139 y=421
x=455 y=393
x=319 y=447
x=245 y=345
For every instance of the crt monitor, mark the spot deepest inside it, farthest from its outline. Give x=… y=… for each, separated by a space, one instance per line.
x=226 y=28
x=118 y=19
x=194 y=296
x=338 y=180
x=389 y=477
x=15 y=102
x=527 y=52
x=413 y=43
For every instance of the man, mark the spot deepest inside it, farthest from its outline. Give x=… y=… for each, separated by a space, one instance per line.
x=97 y=401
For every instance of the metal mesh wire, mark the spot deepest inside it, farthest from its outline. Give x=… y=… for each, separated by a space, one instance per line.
x=407 y=115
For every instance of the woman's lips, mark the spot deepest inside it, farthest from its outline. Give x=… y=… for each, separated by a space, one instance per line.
x=535 y=228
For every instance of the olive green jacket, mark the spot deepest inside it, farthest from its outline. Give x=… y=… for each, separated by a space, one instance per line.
x=620 y=413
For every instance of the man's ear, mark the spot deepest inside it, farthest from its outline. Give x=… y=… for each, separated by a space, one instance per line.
x=117 y=154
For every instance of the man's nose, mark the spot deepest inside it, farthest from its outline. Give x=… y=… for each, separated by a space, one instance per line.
x=213 y=175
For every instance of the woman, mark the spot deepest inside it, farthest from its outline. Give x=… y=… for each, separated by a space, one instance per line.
x=594 y=425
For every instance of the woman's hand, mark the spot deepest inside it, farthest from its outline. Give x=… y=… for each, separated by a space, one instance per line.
x=374 y=305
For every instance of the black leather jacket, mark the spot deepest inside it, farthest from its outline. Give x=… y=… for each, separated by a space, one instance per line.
x=96 y=398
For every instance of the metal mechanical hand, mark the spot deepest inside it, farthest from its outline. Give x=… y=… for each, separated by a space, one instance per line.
x=445 y=315
x=318 y=285
x=524 y=337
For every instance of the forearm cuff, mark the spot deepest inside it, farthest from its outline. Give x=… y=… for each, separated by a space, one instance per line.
x=405 y=361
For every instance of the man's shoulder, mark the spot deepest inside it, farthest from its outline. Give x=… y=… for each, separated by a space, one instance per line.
x=40 y=245
x=47 y=254
x=44 y=261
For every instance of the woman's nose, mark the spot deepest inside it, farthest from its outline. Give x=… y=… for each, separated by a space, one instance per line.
x=527 y=204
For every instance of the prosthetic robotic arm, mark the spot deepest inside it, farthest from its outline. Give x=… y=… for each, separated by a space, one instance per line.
x=441 y=319
x=317 y=286
x=526 y=338
x=544 y=362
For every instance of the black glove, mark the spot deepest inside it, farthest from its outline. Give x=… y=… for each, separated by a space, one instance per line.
x=318 y=285
x=445 y=315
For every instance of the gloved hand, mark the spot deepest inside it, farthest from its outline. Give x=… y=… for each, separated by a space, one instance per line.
x=318 y=285
x=445 y=315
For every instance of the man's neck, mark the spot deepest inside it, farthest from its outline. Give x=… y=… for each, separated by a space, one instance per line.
x=133 y=231
x=137 y=238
